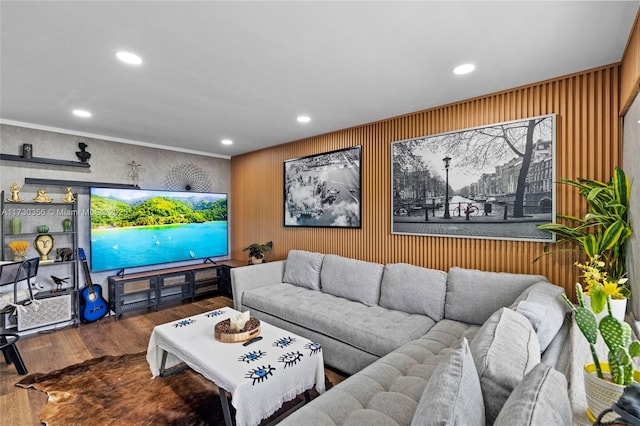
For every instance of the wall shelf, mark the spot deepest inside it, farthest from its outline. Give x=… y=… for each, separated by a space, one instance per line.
x=50 y=161
x=36 y=181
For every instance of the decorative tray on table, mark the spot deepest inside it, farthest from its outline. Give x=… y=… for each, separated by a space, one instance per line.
x=225 y=334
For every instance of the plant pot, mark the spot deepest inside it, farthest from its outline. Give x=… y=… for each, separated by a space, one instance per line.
x=602 y=394
x=618 y=309
x=256 y=260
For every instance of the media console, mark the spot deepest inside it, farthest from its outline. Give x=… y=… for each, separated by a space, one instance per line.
x=152 y=289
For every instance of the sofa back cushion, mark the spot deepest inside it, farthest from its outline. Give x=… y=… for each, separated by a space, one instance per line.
x=504 y=350
x=303 y=269
x=453 y=395
x=543 y=306
x=352 y=279
x=414 y=290
x=472 y=295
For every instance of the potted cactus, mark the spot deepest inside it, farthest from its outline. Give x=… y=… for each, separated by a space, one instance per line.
x=605 y=382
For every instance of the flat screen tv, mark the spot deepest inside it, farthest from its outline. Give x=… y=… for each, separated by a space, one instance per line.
x=133 y=227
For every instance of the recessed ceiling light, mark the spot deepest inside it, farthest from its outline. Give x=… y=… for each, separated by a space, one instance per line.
x=464 y=69
x=226 y=141
x=81 y=113
x=129 y=58
x=304 y=119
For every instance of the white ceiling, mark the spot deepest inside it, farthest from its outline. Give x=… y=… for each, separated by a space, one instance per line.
x=245 y=70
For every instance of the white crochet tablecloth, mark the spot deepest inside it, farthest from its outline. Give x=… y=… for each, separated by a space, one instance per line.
x=260 y=377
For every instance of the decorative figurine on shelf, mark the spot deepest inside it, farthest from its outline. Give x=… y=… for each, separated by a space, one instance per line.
x=82 y=154
x=44 y=245
x=42 y=197
x=15 y=225
x=66 y=225
x=65 y=254
x=15 y=193
x=60 y=282
x=133 y=173
x=69 y=197
x=27 y=151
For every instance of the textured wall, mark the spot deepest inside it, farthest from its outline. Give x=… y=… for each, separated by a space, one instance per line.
x=587 y=145
x=108 y=164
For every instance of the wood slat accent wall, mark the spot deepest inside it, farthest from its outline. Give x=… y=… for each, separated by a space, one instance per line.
x=587 y=145
x=630 y=69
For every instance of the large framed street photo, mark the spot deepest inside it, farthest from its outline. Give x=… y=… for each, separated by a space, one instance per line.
x=491 y=182
x=324 y=190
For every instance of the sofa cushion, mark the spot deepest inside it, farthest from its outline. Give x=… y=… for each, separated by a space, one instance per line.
x=372 y=329
x=453 y=395
x=505 y=349
x=413 y=289
x=303 y=269
x=352 y=279
x=541 y=398
x=473 y=295
x=543 y=306
x=386 y=392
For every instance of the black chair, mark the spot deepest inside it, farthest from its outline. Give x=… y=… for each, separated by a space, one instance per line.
x=10 y=351
x=14 y=272
x=11 y=274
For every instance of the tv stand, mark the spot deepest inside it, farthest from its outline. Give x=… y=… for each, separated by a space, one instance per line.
x=208 y=259
x=152 y=289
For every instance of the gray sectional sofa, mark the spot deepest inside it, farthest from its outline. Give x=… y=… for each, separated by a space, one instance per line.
x=422 y=346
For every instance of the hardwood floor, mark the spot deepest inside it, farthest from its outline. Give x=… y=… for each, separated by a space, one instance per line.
x=46 y=352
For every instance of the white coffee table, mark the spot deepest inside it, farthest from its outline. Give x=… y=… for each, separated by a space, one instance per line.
x=259 y=377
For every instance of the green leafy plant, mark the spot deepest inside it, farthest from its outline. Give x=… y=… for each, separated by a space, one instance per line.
x=615 y=333
x=257 y=251
x=605 y=228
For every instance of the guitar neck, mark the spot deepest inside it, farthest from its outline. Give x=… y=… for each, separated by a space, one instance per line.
x=87 y=275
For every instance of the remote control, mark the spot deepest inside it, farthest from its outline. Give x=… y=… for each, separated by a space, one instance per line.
x=255 y=339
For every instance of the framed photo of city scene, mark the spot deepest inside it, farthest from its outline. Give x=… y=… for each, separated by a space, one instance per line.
x=491 y=182
x=323 y=190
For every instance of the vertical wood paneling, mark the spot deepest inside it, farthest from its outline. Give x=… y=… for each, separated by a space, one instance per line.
x=587 y=145
x=630 y=69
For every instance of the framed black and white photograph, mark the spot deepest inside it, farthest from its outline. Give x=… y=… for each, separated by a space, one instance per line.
x=324 y=190
x=491 y=182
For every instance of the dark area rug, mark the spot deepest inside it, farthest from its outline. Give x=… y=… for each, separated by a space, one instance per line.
x=118 y=390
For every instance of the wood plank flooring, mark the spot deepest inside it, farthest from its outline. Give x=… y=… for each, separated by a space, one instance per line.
x=46 y=352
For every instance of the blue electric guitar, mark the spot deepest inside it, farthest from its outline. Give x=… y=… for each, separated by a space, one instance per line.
x=92 y=304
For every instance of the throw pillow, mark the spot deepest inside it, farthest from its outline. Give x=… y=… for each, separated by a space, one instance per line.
x=352 y=279
x=504 y=349
x=543 y=306
x=489 y=292
x=452 y=395
x=541 y=398
x=414 y=290
x=303 y=269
